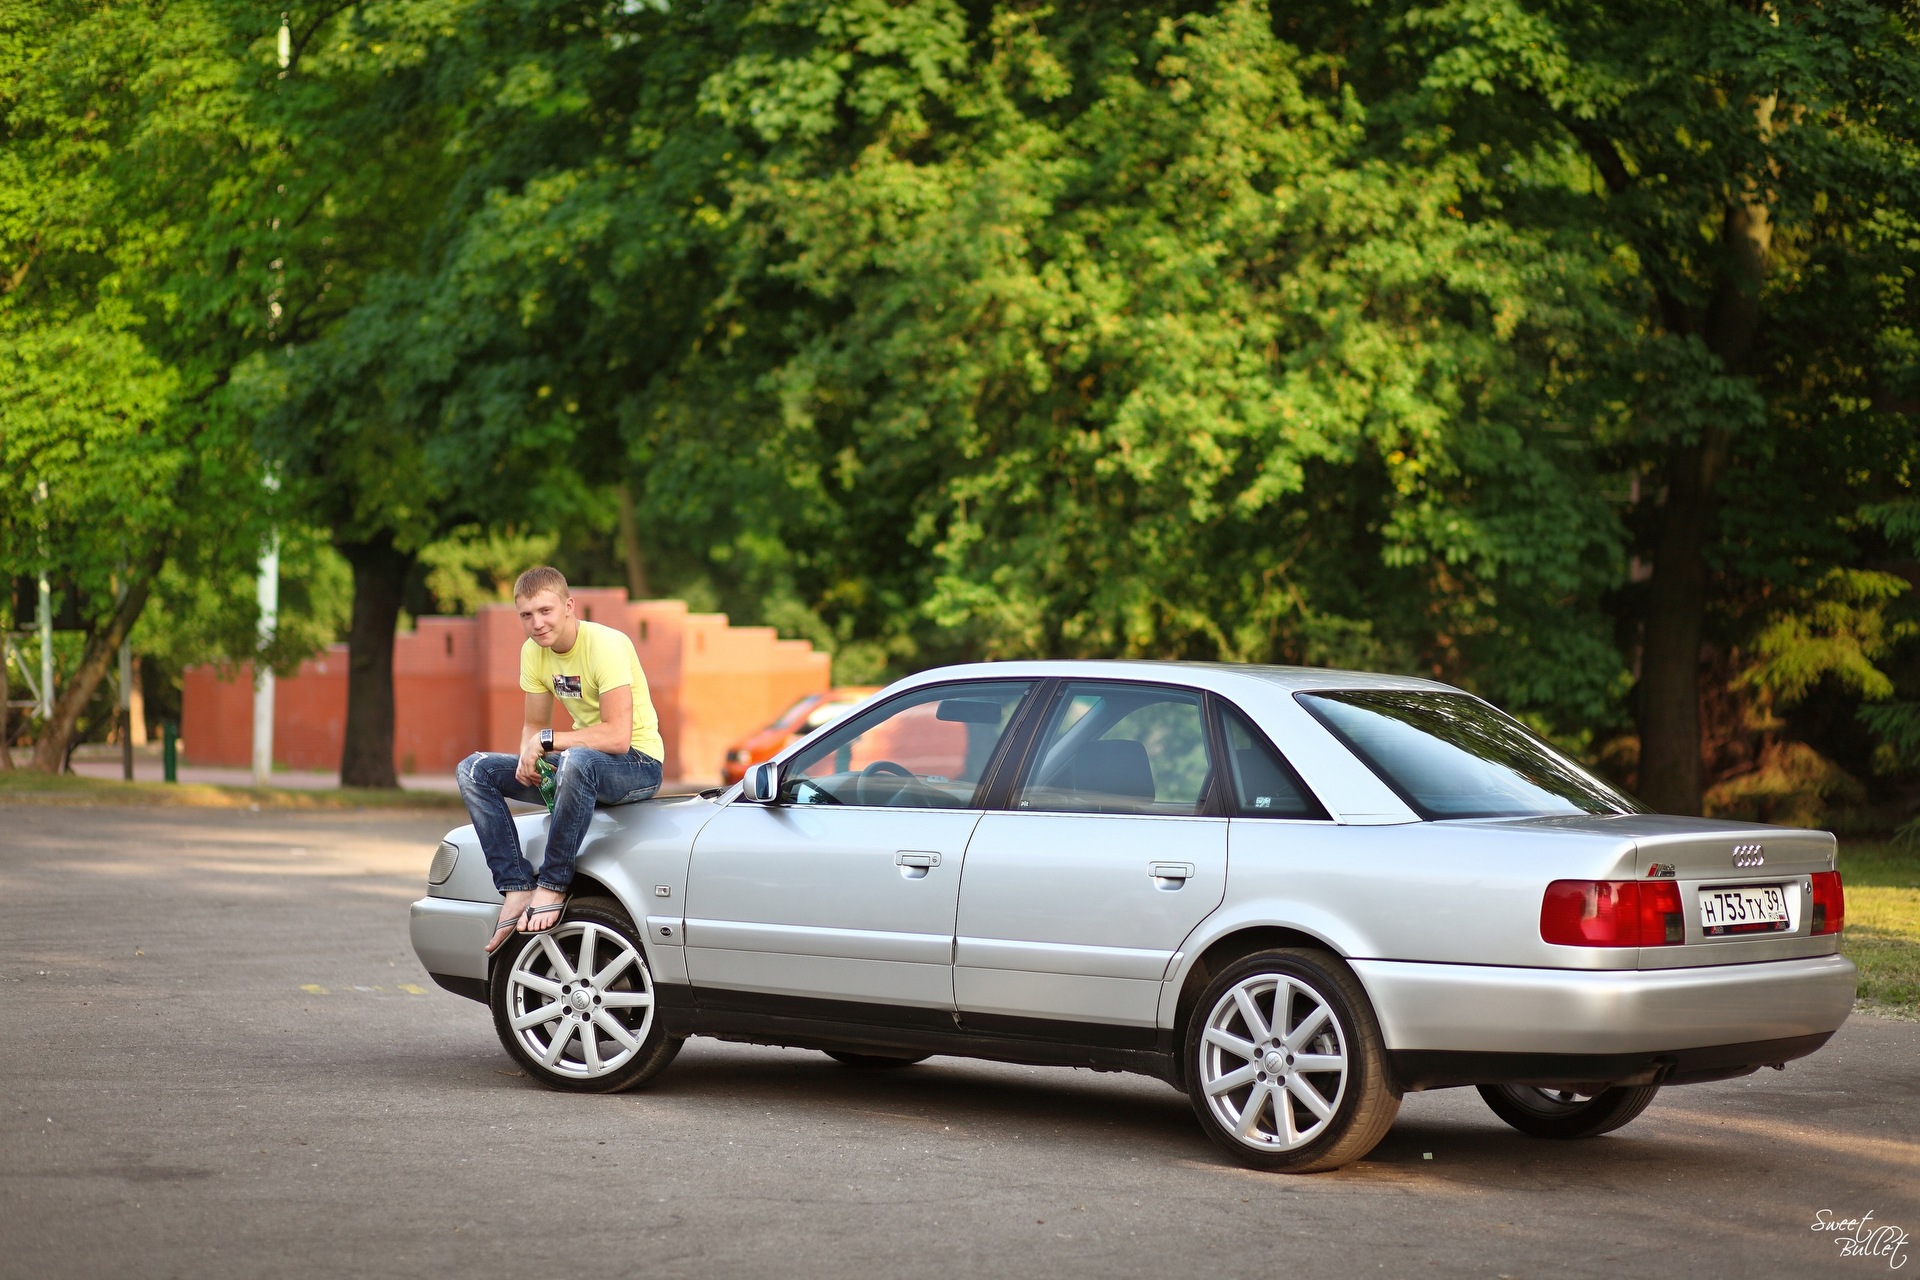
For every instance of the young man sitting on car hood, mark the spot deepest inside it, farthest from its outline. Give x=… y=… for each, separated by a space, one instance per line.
x=611 y=755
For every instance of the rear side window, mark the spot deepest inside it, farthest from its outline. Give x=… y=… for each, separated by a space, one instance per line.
x=1263 y=784
x=1120 y=748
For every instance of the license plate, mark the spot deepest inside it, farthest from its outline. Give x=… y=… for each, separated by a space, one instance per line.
x=1747 y=908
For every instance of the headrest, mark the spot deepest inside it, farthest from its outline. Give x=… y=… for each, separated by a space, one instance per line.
x=1114 y=767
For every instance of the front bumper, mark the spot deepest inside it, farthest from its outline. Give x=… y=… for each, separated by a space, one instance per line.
x=450 y=935
x=1486 y=1009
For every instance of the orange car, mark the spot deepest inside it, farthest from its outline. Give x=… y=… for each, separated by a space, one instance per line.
x=802 y=718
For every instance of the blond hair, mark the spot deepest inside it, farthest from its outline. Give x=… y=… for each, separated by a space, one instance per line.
x=540 y=578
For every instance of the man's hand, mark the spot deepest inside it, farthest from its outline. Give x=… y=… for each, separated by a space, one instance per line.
x=526 y=772
x=537 y=716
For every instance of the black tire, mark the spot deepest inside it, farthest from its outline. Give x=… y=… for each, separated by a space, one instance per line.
x=525 y=963
x=874 y=1061
x=1363 y=1102
x=1555 y=1113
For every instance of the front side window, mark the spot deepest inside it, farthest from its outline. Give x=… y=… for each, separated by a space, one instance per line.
x=926 y=750
x=1450 y=755
x=1116 y=748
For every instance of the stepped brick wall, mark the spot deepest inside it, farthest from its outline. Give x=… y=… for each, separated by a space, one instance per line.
x=457 y=689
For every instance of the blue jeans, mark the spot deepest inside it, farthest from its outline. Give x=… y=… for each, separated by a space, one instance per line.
x=586 y=777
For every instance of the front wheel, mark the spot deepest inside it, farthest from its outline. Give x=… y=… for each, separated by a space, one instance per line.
x=1561 y=1113
x=1286 y=1065
x=575 y=1005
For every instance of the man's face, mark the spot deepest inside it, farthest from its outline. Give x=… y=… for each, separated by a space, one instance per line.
x=543 y=615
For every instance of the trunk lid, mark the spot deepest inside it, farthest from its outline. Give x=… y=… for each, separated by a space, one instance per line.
x=1706 y=856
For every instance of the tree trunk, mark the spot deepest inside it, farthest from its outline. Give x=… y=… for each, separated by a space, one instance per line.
x=6 y=712
x=379 y=577
x=638 y=588
x=1670 y=767
x=103 y=646
x=1671 y=773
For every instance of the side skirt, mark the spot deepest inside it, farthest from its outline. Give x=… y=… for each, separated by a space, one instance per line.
x=1417 y=1069
x=854 y=1027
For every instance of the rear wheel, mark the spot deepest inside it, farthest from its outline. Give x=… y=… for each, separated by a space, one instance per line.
x=1562 y=1113
x=575 y=1005
x=1285 y=1063
x=874 y=1061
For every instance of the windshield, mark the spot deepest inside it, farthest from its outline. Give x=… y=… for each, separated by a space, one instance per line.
x=1450 y=755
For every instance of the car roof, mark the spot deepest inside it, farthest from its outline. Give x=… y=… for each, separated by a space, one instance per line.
x=1220 y=677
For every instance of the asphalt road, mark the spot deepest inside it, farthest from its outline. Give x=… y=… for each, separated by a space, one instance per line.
x=220 y=1059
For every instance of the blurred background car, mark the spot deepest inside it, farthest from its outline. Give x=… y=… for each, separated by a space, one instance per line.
x=798 y=720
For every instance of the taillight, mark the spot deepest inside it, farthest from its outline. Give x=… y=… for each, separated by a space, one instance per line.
x=1612 y=913
x=1829 y=902
x=1661 y=921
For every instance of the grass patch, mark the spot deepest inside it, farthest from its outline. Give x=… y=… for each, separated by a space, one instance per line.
x=1883 y=925
x=22 y=786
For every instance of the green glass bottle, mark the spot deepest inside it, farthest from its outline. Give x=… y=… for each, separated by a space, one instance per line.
x=544 y=767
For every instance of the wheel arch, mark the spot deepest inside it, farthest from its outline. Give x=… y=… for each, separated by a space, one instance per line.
x=1222 y=951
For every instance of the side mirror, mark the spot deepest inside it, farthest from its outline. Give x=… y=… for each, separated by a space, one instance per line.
x=762 y=784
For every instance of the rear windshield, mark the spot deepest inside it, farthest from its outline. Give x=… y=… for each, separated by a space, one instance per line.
x=1450 y=755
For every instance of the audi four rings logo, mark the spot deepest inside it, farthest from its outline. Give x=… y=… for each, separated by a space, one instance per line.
x=1749 y=855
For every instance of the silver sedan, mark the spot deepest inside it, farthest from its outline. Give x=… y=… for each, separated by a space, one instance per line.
x=1294 y=894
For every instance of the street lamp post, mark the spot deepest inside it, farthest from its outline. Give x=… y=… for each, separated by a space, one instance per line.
x=267 y=590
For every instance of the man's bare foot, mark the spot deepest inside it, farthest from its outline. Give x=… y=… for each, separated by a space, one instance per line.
x=543 y=912
x=514 y=906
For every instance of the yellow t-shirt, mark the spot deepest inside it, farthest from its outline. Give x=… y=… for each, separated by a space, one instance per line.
x=601 y=659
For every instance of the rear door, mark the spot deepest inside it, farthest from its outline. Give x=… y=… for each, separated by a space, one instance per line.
x=1077 y=896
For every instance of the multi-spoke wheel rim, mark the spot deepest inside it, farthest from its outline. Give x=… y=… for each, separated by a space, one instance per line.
x=1273 y=1062
x=580 y=999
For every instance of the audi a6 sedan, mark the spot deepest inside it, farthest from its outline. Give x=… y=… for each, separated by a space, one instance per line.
x=1294 y=894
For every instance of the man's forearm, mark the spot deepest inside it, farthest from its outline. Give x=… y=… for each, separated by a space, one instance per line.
x=612 y=739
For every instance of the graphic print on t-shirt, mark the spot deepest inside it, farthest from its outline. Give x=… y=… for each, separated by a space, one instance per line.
x=566 y=686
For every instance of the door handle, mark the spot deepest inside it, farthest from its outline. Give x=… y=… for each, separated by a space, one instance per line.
x=1170 y=875
x=913 y=858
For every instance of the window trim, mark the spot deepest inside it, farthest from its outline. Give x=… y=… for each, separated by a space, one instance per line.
x=987 y=775
x=1219 y=707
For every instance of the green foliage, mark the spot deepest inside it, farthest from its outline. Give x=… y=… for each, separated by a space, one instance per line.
x=1113 y=338
x=128 y=168
x=205 y=609
x=476 y=566
x=1836 y=634
x=1362 y=334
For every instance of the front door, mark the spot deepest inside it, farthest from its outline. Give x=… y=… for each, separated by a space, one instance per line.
x=843 y=893
x=1075 y=901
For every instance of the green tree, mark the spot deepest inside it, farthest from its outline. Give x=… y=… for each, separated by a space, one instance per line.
x=1111 y=334
x=122 y=317
x=1740 y=181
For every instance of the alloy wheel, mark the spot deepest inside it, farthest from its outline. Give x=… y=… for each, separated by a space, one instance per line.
x=579 y=1000
x=1273 y=1062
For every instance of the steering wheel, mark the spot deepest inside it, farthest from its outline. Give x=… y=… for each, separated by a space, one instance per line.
x=874 y=770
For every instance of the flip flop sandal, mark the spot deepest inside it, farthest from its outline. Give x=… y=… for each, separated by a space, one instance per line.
x=556 y=908
x=504 y=925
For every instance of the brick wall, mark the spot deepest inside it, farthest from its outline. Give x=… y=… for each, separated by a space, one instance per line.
x=457 y=689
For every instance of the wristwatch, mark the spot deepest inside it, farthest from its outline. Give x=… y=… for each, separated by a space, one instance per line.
x=546 y=739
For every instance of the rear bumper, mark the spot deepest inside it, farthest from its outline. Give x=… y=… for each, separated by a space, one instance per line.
x=1417 y=1069
x=1481 y=1009
x=449 y=935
